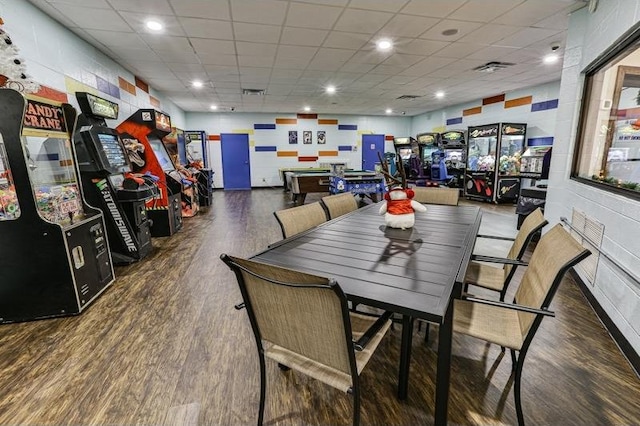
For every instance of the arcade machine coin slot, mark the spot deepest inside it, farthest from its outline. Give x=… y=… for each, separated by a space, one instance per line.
x=104 y=169
x=142 y=135
x=54 y=260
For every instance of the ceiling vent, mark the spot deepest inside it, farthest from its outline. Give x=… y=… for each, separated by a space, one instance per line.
x=258 y=92
x=493 y=66
x=409 y=97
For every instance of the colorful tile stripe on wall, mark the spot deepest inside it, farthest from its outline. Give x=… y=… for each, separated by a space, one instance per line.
x=510 y=103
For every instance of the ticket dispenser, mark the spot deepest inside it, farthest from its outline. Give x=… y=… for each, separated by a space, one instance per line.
x=107 y=181
x=54 y=253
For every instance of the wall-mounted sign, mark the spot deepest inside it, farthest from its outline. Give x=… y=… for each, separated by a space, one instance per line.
x=43 y=116
x=102 y=107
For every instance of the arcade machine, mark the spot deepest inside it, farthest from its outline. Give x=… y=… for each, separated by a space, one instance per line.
x=408 y=152
x=107 y=182
x=455 y=152
x=534 y=172
x=142 y=135
x=428 y=144
x=54 y=254
x=196 y=147
x=493 y=162
x=175 y=144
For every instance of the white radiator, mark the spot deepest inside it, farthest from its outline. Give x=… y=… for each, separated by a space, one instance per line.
x=589 y=233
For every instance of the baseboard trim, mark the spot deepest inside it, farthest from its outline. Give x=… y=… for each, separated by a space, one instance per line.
x=625 y=347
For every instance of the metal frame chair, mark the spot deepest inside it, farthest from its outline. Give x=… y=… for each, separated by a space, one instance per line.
x=339 y=204
x=301 y=218
x=444 y=196
x=514 y=325
x=302 y=322
x=498 y=278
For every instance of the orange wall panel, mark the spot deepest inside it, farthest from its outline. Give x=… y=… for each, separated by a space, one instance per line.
x=518 y=102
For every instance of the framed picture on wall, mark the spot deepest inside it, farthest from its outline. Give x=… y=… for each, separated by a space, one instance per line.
x=306 y=137
x=293 y=136
x=322 y=137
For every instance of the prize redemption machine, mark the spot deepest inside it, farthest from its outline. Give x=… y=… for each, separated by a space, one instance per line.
x=107 y=182
x=197 y=157
x=493 y=162
x=142 y=135
x=54 y=254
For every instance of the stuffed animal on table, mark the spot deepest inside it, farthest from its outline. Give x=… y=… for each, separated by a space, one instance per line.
x=399 y=208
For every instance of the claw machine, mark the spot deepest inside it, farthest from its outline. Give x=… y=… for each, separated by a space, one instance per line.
x=54 y=253
x=493 y=162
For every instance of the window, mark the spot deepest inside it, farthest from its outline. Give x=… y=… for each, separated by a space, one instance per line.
x=9 y=207
x=608 y=154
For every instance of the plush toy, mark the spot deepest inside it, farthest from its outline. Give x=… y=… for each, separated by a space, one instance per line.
x=399 y=208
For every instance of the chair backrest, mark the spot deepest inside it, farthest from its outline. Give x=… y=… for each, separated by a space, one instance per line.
x=555 y=253
x=303 y=313
x=533 y=223
x=445 y=196
x=339 y=204
x=297 y=219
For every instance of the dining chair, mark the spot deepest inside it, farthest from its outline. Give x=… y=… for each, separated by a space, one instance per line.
x=339 y=204
x=298 y=219
x=513 y=325
x=435 y=195
x=497 y=278
x=301 y=321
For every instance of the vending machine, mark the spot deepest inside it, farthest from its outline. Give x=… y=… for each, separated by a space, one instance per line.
x=54 y=253
x=108 y=182
x=142 y=135
x=493 y=162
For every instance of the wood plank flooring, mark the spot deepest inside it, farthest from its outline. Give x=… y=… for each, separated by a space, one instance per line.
x=164 y=346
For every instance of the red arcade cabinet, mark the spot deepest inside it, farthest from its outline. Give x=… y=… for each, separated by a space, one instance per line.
x=142 y=135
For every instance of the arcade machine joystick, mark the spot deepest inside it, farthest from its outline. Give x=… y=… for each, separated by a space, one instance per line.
x=142 y=135
x=107 y=182
x=54 y=255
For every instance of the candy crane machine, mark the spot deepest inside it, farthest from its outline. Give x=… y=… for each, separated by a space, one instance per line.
x=54 y=254
x=142 y=135
x=107 y=181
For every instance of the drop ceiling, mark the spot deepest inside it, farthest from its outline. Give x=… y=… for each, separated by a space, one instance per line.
x=294 y=49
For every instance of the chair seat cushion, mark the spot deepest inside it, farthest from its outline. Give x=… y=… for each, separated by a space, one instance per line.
x=483 y=275
x=494 y=324
x=330 y=376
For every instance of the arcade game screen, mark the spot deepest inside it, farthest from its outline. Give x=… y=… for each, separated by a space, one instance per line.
x=405 y=153
x=53 y=179
x=112 y=149
x=161 y=154
x=454 y=155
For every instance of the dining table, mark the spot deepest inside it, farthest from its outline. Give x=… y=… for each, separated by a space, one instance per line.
x=415 y=272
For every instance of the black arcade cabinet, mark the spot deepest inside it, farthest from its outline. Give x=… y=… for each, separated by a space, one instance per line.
x=107 y=182
x=54 y=253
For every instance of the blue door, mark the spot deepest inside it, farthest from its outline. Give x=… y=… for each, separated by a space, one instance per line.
x=236 y=170
x=371 y=146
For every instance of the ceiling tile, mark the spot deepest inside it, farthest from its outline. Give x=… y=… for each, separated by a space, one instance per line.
x=207 y=28
x=530 y=12
x=259 y=11
x=527 y=36
x=362 y=21
x=133 y=55
x=99 y=4
x=256 y=49
x=312 y=16
x=401 y=61
x=420 y=46
x=464 y=28
x=137 y=22
x=299 y=52
x=381 y=5
x=158 y=7
x=434 y=8
x=256 y=33
x=490 y=33
x=113 y=38
x=291 y=62
x=85 y=17
x=426 y=66
x=343 y=40
x=217 y=59
x=407 y=26
x=303 y=36
x=184 y=56
x=165 y=42
x=255 y=61
x=201 y=9
x=477 y=11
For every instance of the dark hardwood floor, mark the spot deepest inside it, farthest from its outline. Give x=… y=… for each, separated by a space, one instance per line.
x=164 y=346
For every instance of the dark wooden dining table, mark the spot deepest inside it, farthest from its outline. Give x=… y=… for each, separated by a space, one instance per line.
x=415 y=272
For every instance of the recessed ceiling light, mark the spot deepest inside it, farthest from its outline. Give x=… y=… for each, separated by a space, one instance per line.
x=154 y=25
x=197 y=84
x=550 y=58
x=214 y=107
x=331 y=89
x=440 y=94
x=307 y=109
x=450 y=32
x=384 y=44
x=388 y=110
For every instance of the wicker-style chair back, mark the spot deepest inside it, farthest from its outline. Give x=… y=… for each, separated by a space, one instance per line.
x=444 y=196
x=339 y=204
x=533 y=223
x=298 y=219
x=555 y=253
x=302 y=322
